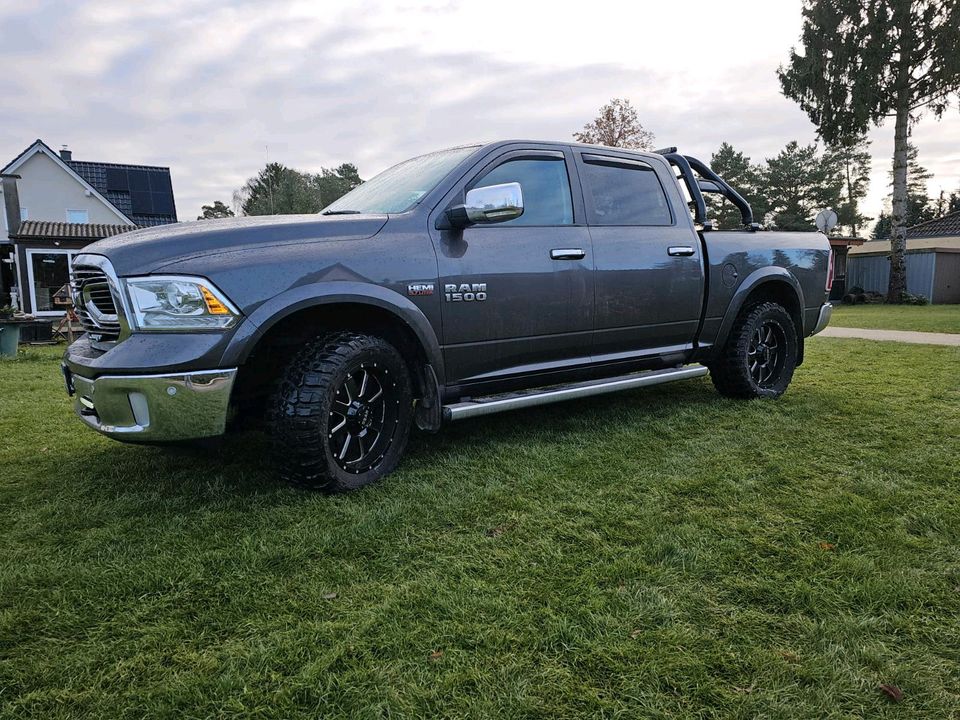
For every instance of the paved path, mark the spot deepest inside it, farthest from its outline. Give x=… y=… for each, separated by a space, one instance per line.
x=907 y=336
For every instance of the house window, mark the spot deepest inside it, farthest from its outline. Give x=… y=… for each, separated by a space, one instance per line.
x=24 y=215
x=78 y=216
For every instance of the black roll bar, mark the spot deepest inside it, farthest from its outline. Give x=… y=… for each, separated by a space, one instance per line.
x=746 y=213
x=693 y=187
x=687 y=165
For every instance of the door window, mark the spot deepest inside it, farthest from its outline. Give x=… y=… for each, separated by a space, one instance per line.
x=50 y=272
x=624 y=194
x=545 y=185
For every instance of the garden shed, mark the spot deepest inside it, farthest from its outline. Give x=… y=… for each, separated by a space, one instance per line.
x=933 y=261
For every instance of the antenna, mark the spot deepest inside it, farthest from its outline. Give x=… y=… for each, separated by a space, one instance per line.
x=266 y=155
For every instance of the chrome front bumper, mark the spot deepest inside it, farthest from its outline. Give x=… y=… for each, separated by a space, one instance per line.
x=154 y=408
x=826 y=310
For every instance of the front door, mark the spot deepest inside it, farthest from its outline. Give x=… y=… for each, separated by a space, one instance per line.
x=517 y=296
x=649 y=273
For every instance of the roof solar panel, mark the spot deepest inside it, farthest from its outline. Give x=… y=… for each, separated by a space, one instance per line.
x=141 y=202
x=139 y=180
x=160 y=182
x=117 y=180
x=162 y=203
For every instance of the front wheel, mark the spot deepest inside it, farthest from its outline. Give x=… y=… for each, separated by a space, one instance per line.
x=760 y=354
x=342 y=413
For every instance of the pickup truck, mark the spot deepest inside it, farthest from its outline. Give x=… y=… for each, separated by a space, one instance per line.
x=457 y=284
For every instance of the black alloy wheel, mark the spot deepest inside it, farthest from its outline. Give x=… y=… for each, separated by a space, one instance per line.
x=361 y=422
x=766 y=353
x=342 y=413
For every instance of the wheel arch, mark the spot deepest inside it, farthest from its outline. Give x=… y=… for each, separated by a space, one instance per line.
x=318 y=300
x=274 y=332
x=769 y=284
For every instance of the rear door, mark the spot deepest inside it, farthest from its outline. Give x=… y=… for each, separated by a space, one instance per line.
x=649 y=266
x=517 y=296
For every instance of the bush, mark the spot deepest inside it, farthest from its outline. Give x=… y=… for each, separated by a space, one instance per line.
x=911 y=299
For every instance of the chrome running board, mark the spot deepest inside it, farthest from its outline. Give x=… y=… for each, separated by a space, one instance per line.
x=557 y=393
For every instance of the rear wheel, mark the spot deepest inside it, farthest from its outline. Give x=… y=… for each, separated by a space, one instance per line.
x=342 y=413
x=760 y=354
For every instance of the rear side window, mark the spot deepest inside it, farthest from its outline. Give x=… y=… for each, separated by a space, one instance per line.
x=624 y=194
x=546 y=189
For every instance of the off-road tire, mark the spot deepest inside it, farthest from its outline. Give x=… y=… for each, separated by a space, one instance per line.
x=735 y=371
x=309 y=406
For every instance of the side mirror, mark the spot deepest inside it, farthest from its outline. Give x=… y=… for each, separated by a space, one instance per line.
x=491 y=204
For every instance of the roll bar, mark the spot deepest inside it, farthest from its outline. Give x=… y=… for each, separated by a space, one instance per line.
x=708 y=181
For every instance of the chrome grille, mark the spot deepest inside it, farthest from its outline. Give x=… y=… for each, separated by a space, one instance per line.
x=94 y=303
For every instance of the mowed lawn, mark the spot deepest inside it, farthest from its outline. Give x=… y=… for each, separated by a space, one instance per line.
x=660 y=553
x=924 y=318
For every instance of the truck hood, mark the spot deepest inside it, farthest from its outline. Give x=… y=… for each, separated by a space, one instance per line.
x=145 y=251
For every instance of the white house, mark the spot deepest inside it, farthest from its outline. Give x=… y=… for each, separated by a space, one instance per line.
x=55 y=206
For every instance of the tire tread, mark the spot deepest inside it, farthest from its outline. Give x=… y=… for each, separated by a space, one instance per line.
x=301 y=396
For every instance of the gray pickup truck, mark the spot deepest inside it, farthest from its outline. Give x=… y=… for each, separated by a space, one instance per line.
x=461 y=283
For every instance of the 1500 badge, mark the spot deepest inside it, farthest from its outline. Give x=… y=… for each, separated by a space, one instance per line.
x=465 y=292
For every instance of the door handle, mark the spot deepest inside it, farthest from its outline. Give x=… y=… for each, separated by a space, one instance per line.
x=680 y=250
x=567 y=254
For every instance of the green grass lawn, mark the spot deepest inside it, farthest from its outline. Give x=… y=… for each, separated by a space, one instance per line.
x=660 y=553
x=925 y=318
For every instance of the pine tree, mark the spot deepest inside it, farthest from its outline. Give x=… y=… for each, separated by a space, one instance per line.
x=744 y=177
x=851 y=160
x=799 y=184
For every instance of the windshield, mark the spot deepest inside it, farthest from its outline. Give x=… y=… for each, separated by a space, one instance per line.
x=402 y=186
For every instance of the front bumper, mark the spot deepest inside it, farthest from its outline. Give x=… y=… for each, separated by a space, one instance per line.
x=826 y=310
x=153 y=408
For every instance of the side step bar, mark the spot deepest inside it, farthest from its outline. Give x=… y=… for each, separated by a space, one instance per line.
x=557 y=393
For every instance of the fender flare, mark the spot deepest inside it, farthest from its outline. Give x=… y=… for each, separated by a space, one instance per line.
x=758 y=278
x=302 y=297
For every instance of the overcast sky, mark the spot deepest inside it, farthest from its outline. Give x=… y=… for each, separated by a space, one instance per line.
x=213 y=90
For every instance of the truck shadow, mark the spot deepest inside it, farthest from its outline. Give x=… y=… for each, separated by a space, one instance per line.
x=243 y=466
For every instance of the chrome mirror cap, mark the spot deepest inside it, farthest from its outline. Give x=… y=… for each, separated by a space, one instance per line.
x=491 y=204
x=494 y=203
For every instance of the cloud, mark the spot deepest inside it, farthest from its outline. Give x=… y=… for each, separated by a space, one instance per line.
x=214 y=90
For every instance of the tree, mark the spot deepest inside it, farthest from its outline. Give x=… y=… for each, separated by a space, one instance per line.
x=279 y=190
x=851 y=159
x=920 y=207
x=954 y=204
x=217 y=210
x=798 y=184
x=865 y=60
x=745 y=178
x=617 y=125
x=333 y=184
x=881 y=231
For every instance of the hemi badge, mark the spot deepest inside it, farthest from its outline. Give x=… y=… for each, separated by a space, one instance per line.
x=420 y=289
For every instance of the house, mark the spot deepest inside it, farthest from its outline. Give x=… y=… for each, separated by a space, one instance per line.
x=933 y=261
x=54 y=206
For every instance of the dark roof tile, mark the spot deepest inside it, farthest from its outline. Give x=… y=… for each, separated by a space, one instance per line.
x=45 y=229
x=946 y=226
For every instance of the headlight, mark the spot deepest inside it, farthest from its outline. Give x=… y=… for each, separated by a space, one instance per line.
x=170 y=302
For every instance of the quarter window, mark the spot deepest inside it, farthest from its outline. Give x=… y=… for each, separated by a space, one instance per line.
x=545 y=185
x=624 y=194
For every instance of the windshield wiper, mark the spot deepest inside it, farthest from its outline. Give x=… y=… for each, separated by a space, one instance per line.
x=341 y=212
